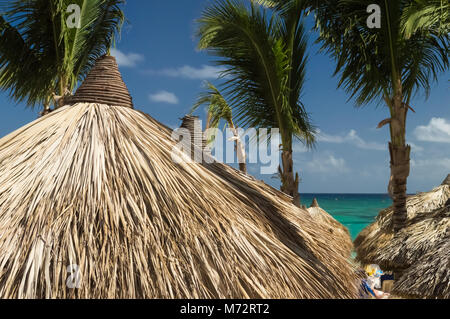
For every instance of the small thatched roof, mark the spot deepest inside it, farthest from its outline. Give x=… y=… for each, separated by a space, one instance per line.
x=340 y=233
x=427 y=227
x=95 y=185
x=104 y=85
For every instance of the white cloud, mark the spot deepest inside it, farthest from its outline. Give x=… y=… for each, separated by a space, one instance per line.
x=205 y=72
x=164 y=97
x=351 y=138
x=432 y=163
x=416 y=148
x=127 y=60
x=299 y=147
x=328 y=164
x=438 y=130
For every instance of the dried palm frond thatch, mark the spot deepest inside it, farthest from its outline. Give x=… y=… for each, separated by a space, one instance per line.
x=341 y=236
x=95 y=185
x=429 y=277
x=428 y=226
x=340 y=233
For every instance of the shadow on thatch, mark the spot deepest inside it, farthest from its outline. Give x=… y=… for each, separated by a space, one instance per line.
x=95 y=185
x=286 y=225
x=341 y=240
x=429 y=277
x=427 y=228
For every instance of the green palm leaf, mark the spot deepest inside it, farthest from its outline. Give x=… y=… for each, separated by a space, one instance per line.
x=35 y=34
x=426 y=15
x=264 y=57
x=389 y=64
x=260 y=85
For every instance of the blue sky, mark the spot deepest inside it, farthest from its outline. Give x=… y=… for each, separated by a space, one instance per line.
x=164 y=73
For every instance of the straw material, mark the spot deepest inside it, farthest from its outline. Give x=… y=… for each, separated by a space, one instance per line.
x=430 y=276
x=446 y=181
x=95 y=185
x=428 y=225
x=339 y=232
x=103 y=85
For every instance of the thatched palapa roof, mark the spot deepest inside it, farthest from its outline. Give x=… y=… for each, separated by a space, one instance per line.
x=340 y=233
x=429 y=277
x=417 y=253
x=95 y=185
x=341 y=240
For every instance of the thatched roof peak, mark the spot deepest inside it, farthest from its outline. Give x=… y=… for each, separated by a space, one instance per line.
x=103 y=85
x=446 y=181
x=338 y=231
x=192 y=124
x=315 y=203
x=198 y=140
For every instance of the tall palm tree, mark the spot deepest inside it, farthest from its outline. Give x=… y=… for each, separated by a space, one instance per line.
x=264 y=56
x=389 y=65
x=42 y=55
x=219 y=109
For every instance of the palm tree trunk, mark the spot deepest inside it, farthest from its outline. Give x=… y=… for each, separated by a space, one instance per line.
x=242 y=166
x=46 y=109
x=64 y=88
x=289 y=184
x=240 y=150
x=400 y=161
x=240 y=154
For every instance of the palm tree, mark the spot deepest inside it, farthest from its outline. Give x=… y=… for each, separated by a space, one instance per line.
x=42 y=56
x=426 y=14
x=219 y=109
x=264 y=56
x=389 y=65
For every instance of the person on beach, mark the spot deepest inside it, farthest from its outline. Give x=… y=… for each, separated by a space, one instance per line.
x=367 y=287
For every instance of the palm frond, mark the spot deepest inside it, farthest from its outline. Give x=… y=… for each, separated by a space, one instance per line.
x=371 y=61
x=217 y=107
x=431 y=15
x=251 y=45
x=40 y=54
x=101 y=21
x=26 y=61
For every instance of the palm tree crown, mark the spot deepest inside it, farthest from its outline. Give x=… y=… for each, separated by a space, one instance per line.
x=373 y=63
x=41 y=54
x=391 y=64
x=219 y=109
x=264 y=56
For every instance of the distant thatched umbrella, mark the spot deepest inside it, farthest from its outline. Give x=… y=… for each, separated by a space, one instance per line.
x=428 y=226
x=340 y=233
x=94 y=185
x=198 y=145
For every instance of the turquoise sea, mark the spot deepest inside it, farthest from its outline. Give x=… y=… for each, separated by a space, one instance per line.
x=355 y=211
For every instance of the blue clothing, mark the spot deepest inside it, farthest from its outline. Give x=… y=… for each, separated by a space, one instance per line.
x=366 y=291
